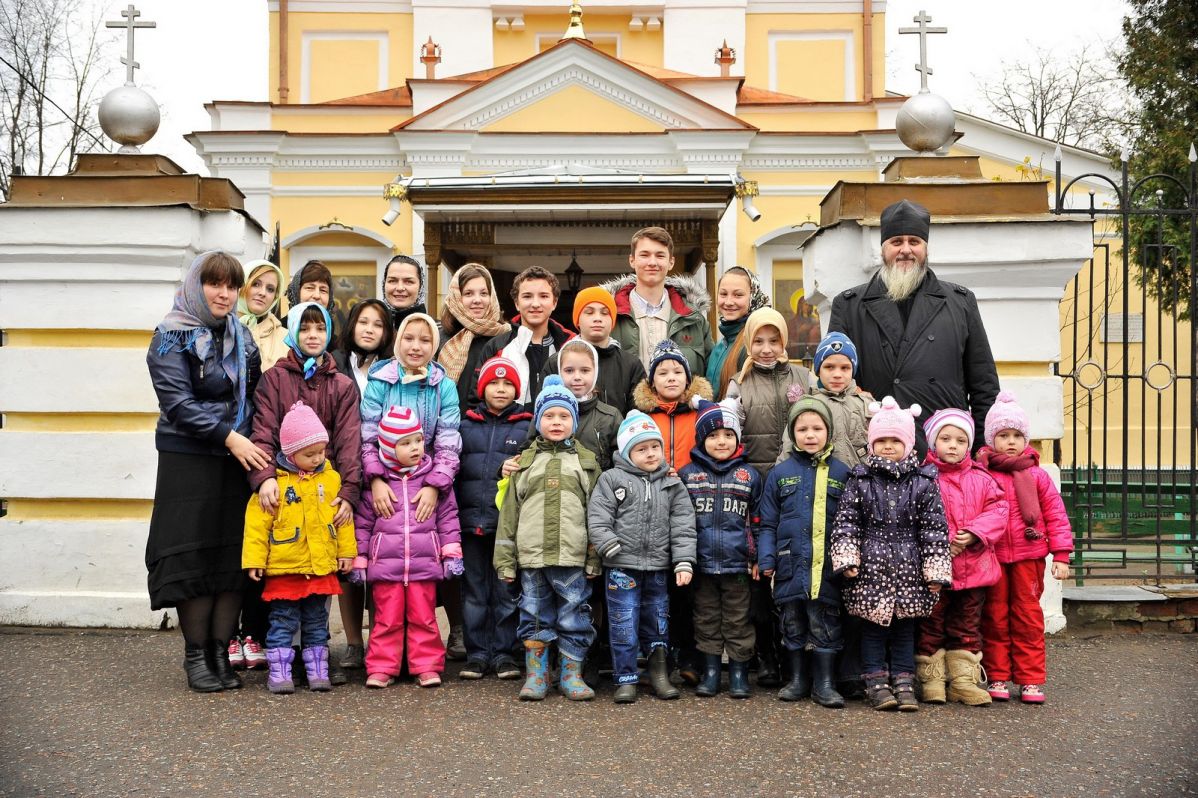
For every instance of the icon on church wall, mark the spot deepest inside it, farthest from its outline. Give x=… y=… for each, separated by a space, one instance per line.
x=349 y=290
x=802 y=321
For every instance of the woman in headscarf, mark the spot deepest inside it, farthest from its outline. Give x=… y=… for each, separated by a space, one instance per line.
x=404 y=290
x=471 y=318
x=256 y=309
x=204 y=366
x=739 y=294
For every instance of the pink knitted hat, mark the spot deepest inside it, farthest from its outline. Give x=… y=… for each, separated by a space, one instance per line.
x=399 y=422
x=300 y=428
x=948 y=417
x=1006 y=413
x=892 y=421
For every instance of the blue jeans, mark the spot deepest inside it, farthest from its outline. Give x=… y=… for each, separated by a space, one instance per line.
x=553 y=608
x=811 y=625
x=488 y=604
x=309 y=615
x=900 y=636
x=638 y=610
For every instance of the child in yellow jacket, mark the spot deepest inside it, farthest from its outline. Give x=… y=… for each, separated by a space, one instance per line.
x=299 y=551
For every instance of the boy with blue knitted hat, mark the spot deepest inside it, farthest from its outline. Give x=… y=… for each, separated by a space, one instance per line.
x=836 y=367
x=542 y=535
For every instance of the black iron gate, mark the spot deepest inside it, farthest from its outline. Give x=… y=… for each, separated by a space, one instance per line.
x=1131 y=394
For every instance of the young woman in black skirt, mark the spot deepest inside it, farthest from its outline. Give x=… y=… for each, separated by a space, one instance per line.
x=204 y=366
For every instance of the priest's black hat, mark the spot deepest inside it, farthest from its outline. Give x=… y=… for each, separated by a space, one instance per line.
x=905 y=218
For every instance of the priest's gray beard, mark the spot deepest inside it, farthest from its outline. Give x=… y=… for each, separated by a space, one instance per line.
x=901 y=283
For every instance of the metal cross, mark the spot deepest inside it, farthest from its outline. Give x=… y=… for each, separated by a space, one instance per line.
x=130 y=14
x=923 y=30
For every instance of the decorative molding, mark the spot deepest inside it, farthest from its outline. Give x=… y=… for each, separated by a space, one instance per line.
x=606 y=38
x=304 y=163
x=807 y=163
x=300 y=236
x=850 y=54
x=307 y=37
x=793 y=191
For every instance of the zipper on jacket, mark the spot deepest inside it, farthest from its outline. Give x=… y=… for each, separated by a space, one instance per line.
x=407 y=556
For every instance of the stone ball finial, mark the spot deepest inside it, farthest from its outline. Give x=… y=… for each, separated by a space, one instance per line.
x=129 y=116
x=926 y=122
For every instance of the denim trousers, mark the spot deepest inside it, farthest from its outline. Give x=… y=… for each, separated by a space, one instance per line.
x=553 y=608
x=899 y=636
x=309 y=616
x=488 y=604
x=638 y=610
x=811 y=625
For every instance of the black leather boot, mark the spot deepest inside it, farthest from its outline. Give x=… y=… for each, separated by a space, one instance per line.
x=823 y=686
x=199 y=674
x=799 y=686
x=659 y=674
x=710 y=685
x=218 y=661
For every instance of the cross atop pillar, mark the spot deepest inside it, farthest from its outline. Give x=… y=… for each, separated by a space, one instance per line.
x=130 y=24
x=922 y=19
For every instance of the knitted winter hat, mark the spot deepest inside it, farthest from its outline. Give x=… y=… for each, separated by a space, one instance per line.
x=554 y=393
x=808 y=404
x=399 y=422
x=948 y=417
x=1006 y=413
x=668 y=350
x=300 y=428
x=498 y=368
x=905 y=218
x=835 y=343
x=585 y=347
x=892 y=421
x=594 y=294
x=634 y=429
x=713 y=416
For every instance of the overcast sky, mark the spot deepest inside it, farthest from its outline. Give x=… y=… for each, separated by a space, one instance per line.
x=217 y=50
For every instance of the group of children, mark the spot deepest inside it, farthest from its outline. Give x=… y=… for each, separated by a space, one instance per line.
x=906 y=573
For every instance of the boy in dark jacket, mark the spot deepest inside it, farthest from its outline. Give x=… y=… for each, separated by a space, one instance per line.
x=491 y=432
x=726 y=493
x=798 y=509
x=641 y=522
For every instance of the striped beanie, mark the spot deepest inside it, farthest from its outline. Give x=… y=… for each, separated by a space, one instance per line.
x=398 y=422
x=713 y=416
x=948 y=417
x=636 y=428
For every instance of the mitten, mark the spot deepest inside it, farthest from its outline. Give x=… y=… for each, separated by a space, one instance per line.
x=453 y=567
x=358 y=575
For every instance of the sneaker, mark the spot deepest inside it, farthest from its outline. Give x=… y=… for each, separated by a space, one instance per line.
x=999 y=691
x=236 y=656
x=378 y=680
x=429 y=679
x=1032 y=694
x=473 y=670
x=354 y=658
x=507 y=670
x=455 y=647
x=255 y=657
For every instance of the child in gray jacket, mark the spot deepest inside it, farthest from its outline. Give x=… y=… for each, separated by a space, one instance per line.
x=641 y=521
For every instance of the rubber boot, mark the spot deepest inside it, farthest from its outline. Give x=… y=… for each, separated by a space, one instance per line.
x=218 y=661
x=878 y=693
x=823 y=686
x=710 y=685
x=200 y=676
x=738 y=679
x=799 y=686
x=625 y=693
x=536 y=670
x=904 y=691
x=768 y=674
x=316 y=666
x=965 y=676
x=929 y=672
x=278 y=670
x=659 y=674
x=571 y=683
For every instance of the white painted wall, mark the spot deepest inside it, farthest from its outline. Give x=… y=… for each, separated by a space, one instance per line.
x=463 y=29
x=693 y=30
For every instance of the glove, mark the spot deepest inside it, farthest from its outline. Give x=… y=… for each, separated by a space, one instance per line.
x=358 y=575
x=453 y=567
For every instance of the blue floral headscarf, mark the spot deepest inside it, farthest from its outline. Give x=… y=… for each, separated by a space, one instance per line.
x=293 y=330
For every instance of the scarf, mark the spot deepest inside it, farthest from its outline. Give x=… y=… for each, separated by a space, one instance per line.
x=410 y=373
x=253 y=269
x=292 y=339
x=1020 y=468
x=517 y=352
x=190 y=326
x=456 y=351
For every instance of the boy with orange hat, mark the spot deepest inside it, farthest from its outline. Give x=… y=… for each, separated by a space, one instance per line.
x=619 y=371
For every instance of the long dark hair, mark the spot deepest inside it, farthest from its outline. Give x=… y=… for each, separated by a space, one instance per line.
x=346 y=342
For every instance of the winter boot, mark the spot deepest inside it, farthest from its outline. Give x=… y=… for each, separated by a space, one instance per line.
x=536 y=669
x=316 y=666
x=738 y=679
x=625 y=693
x=904 y=691
x=571 y=683
x=929 y=672
x=688 y=665
x=218 y=660
x=767 y=658
x=799 y=686
x=965 y=678
x=659 y=674
x=823 y=687
x=200 y=676
x=711 y=677
x=877 y=691
x=337 y=675
x=278 y=670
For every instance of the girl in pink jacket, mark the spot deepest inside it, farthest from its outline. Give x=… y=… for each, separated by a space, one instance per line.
x=976 y=509
x=1012 y=622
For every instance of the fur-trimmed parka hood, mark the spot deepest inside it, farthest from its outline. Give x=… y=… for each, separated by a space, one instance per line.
x=687 y=294
x=646 y=401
